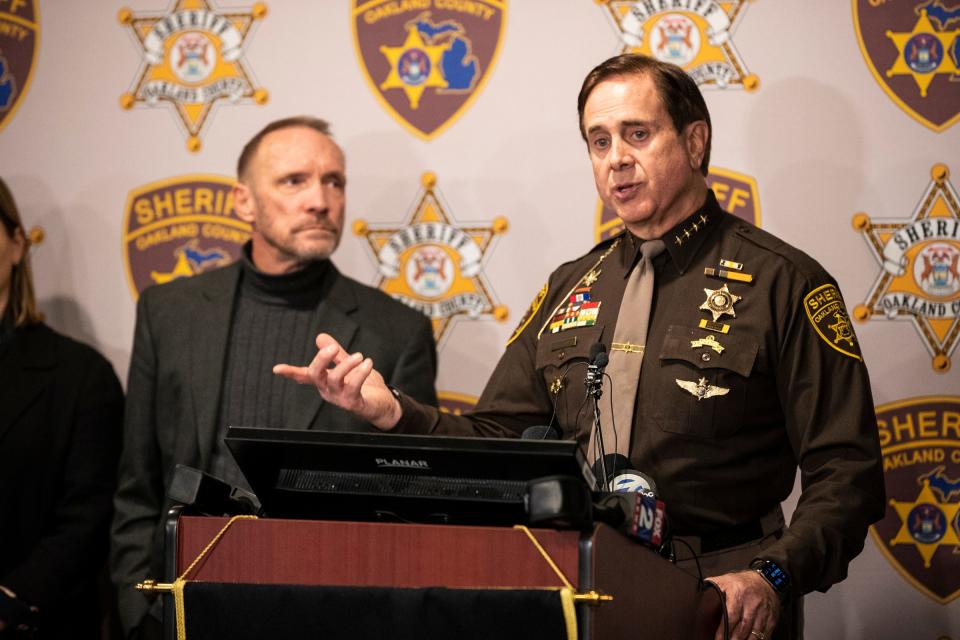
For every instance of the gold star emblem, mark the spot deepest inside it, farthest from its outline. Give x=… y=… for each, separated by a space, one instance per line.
x=414 y=66
x=719 y=302
x=923 y=53
x=192 y=60
x=435 y=265
x=591 y=278
x=842 y=329
x=926 y=523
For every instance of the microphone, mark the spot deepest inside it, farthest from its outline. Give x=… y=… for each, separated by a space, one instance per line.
x=595 y=350
x=621 y=478
x=632 y=506
x=639 y=516
x=540 y=432
x=647 y=521
x=598 y=360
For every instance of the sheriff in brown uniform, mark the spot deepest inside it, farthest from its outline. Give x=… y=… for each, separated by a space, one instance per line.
x=750 y=368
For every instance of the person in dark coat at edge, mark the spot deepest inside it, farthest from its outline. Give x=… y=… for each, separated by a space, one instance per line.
x=61 y=409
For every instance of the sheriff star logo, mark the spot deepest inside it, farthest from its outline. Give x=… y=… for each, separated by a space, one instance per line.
x=434 y=265
x=719 y=302
x=920 y=276
x=193 y=60
x=695 y=35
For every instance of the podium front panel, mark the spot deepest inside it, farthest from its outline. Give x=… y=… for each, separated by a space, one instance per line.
x=374 y=554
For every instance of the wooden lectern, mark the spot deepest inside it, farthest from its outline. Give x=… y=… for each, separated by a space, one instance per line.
x=651 y=597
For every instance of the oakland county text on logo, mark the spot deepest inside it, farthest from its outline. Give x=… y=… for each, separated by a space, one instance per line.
x=193 y=60
x=434 y=265
x=919 y=257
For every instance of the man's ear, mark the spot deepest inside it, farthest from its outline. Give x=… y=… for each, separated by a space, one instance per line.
x=696 y=141
x=243 y=202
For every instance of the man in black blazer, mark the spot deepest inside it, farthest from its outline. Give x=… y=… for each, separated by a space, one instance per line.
x=204 y=346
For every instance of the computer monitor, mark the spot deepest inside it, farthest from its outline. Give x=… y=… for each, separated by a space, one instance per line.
x=393 y=477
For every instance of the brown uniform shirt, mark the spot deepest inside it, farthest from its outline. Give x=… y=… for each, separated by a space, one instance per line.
x=796 y=389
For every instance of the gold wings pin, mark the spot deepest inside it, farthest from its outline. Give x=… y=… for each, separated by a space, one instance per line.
x=701 y=389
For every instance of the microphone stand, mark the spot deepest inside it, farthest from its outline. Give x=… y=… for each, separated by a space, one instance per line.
x=594 y=384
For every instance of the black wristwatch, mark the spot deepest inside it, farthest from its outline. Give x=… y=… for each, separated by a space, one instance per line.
x=774 y=574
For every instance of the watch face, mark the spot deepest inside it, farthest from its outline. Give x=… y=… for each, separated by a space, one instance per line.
x=776 y=576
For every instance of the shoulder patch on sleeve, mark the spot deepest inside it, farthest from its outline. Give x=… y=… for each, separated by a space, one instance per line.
x=828 y=315
x=532 y=311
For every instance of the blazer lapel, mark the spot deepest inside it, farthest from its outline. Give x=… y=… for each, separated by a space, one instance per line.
x=24 y=374
x=334 y=315
x=209 y=333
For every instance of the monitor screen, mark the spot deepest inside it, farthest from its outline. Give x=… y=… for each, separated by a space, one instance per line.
x=393 y=477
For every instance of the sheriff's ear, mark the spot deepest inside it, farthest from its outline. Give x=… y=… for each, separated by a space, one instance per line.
x=695 y=138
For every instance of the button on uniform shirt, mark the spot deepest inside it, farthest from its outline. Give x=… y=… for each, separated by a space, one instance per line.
x=721 y=427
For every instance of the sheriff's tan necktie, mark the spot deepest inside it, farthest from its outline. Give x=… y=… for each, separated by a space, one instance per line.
x=626 y=356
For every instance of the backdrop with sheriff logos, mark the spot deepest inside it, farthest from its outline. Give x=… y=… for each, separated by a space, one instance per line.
x=836 y=129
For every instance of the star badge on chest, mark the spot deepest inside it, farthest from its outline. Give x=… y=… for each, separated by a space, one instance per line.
x=701 y=389
x=720 y=301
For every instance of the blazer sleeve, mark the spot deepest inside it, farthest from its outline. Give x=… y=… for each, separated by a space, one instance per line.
x=139 y=498
x=416 y=370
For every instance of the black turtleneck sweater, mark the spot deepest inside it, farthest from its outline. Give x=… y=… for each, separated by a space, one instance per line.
x=271 y=322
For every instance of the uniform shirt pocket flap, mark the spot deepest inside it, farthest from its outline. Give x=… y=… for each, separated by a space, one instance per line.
x=706 y=350
x=564 y=346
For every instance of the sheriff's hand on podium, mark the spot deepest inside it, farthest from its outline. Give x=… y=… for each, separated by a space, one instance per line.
x=349 y=381
x=752 y=605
